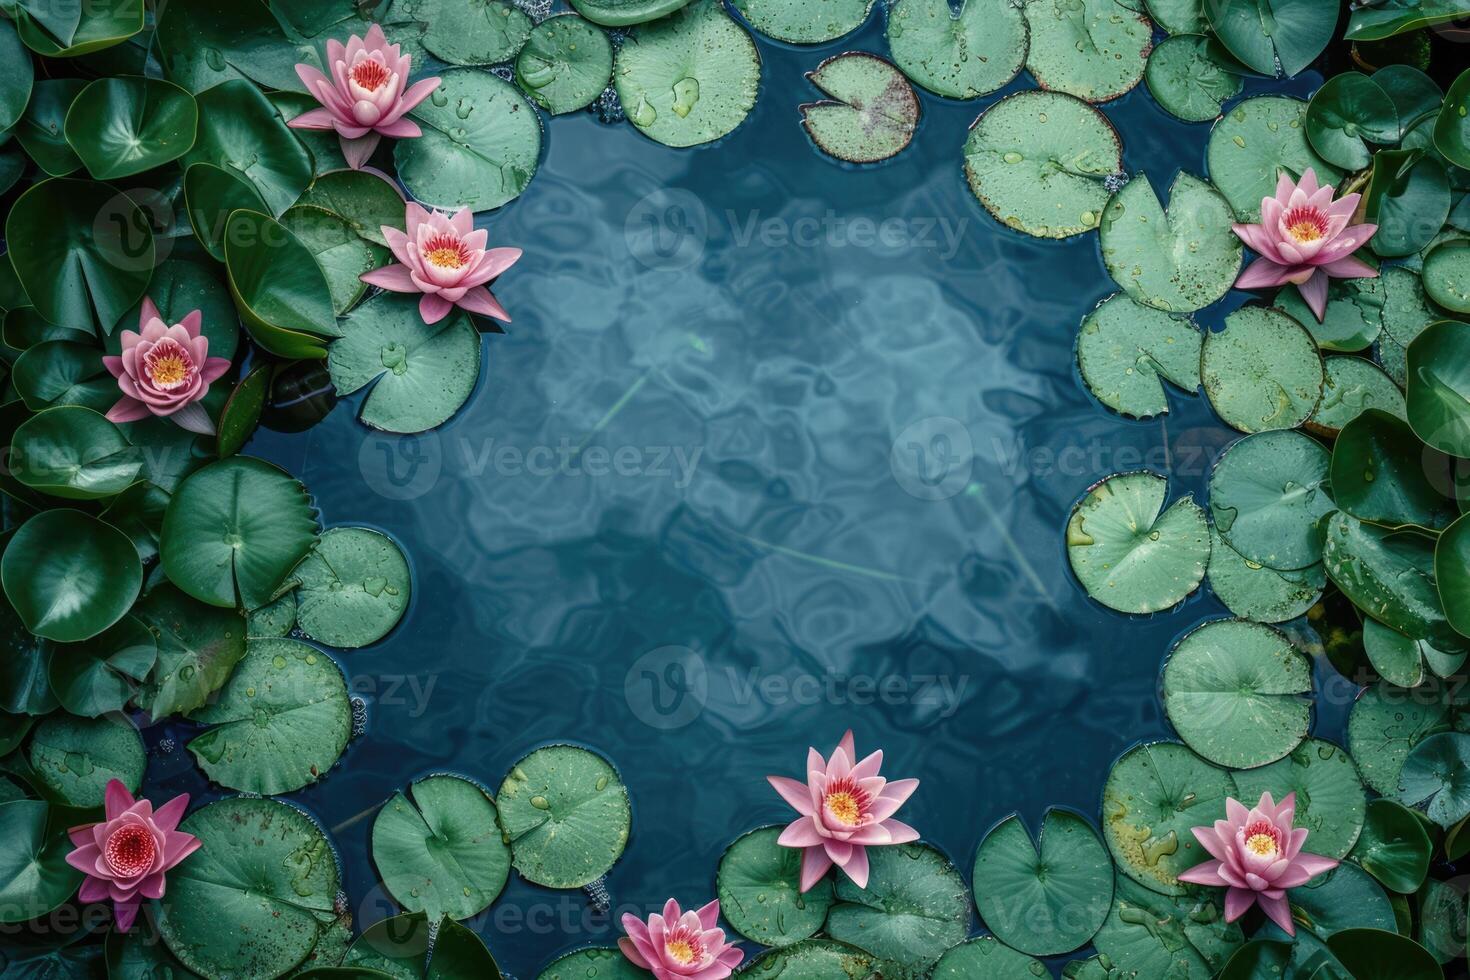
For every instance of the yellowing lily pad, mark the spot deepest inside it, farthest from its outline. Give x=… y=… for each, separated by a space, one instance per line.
x=872 y=113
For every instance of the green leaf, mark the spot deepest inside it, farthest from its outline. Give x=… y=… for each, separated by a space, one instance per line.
x=73 y=452
x=566 y=813
x=1387 y=722
x=1263 y=371
x=365 y=200
x=1126 y=351
x=1260 y=959
x=1394 y=848
x=1344 y=898
x=961 y=55
x=34 y=875
x=1447 y=275
x=1442 y=924
x=759 y=887
x=17 y=76
x=73 y=759
x=1186 y=81
x=140 y=954
x=477 y=32
x=1253 y=591
x=1350 y=387
x=611 y=964
x=124 y=126
x=235 y=530
x=805 y=22
x=1330 y=801
x=249 y=901
x=198 y=647
x=69 y=575
x=985 y=957
x=623 y=13
x=1408 y=198
x=280 y=721
x=1381 y=473
x=241 y=414
x=274 y=620
x=872 y=112
x=41 y=130
x=1178 y=16
x=916 y=905
x=1439 y=387
x=210 y=195
x=204 y=43
x=1268 y=493
x=179 y=287
x=1093 y=49
x=1348 y=112
x=343 y=256
x=1039 y=162
x=1129 y=552
x=1395 y=657
x=355 y=586
x=24 y=686
x=101 y=675
x=103 y=24
x=60 y=372
x=1452 y=128
x=1415 y=95
x=1377 y=954
x=565 y=65
x=241 y=132
x=1274 y=36
x=1354 y=315
x=1393 y=17
x=1151 y=935
x=1390 y=574
x=1436 y=777
x=281 y=292
x=400 y=945
x=1256 y=140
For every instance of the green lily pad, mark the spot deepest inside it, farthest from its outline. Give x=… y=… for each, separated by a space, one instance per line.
x=343 y=255
x=102 y=25
x=1389 y=575
x=566 y=813
x=961 y=55
x=1267 y=494
x=1093 y=49
x=813 y=959
x=34 y=875
x=1436 y=777
x=1350 y=387
x=1043 y=900
x=1039 y=162
x=235 y=530
x=1395 y=657
x=17 y=77
x=365 y=200
x=1330 y=801
x=211 y=194
x=478 y=32
x=41 y=131
x=1442 y=924
x=1386 y=20
x=1253 y=591
x=73 y=759
x=179 y=286
x=407 y=947
x=279 y=723
x=1408 y=198
x=805 y=21
x=1382 y=474
x=480 y=146
x=689 y=78
x=1452 y=128
x=140 y=954
x=1377 y=954
x=916 y=906
x=443 y=852
x=241 y=413
x=1252 y=143
x=985 y=958
x=1452 y=573
x=1395 y=848
x=1178 y=16
x=198 y=647
x=24 y=686
x=624 y=13
x=1179 y=260
x=59 y=372
x=872 y=113
x=1155 y=793
x=101 y=675
x=1186 y=81
x=565 y=65
x=322 y=144
x=272 y=620
x=1129 y=552
x=611 y=964
x=355 y=586
x=75 y=453
x=124 y=126
x=69 y=576
x=1346 y=897
x=1263 y=371
x=1183 y=937
x=1439 y=387
x=1126 y=351
x=1415 y=95
x=1273 y=38
x=240 y=131
x=1447 y=275
x=759 y=887
x=1348 y=112
x=420 y=374
x=250 y=900
x=281 y=291
x=204 y=43
x=1353 y=318
x=1387 y=722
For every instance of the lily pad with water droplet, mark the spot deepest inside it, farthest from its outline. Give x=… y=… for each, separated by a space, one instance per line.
x=241 y=132
x=1129 y=552
x=1267 y=494
x=565 y=65
x=1387 y=722
x=1394 y=656
x=1381 y=473
x=1179 y=16
x=274 y=619
x=204 y=43
x=1126 y=351
x=1182 y=936
x=1408 y=198
x=341 y=253
x=986 y=958
x=1272 y=38
x=1452 y=126
x=365 y=200
x=1436 y=778
x=566 y=812
x=1447 y=275
x=1346 y=114
x=408 y=947
x=805 y=21
x=250 y=901
x=1438 y=387
x=915 y=907
x=1040 y=161
x=282 y=294
x=473 y=32
x=73 y=759
x=1353 y=318
x=1093 y=49
x=872 y=113
x=1395 y=847
x=420 y=374
x=480 y=146
x=1179 y=260
x=689 y=78
x=198 y=647
x=1263 y=371
x=812 y=959
x=1045 y=899
x=1186 y=81
x=759 y=883
x=279 y=723
x=1253 y=142
x=441 y=852
x=355 y=586
x=1352 y=386
x=1252 y=591
x=101 y=675
x=1346 y=897
x=624 y=13
x=961 y=54
x=1389 y=575
x=1155 y=793
x=1330 y=801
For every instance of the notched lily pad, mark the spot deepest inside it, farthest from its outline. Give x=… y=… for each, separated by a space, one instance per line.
x=1352 y=386
x=872 y=113
x=1126 y=351
x=1094 y=49
x=1252 y=591
x=354 y=587
x=566 y=813
x=1253 y=142
x=805 y=21
x=1268 y=493
x=1186 y=81
x=759 y=885
x=964 y=53
x=565 y=65
x=1263 y=371
x=1330 y=802
x=916 y=905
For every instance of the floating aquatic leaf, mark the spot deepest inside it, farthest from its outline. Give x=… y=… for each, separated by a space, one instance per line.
x=1353 y=318
x=813 y=959
x=343 y=256
x=1389 y=575
x=1348 y=112
x=1274 y=36
x=1330 y=801
x=985 y=956
x=1263 y=371
x=961 y=54
x=1395 y=657
x=1382 y=474
x=623 y=13
x=41 y=131
x=566 y=813
x=473 y=32
x=1350 y=387
x=1438 y=374
x=408 y=947
x=73 y=759
x=34 y=875
x=1387 y=722
x=1250 y=590
x=75 y=453
x=759 y=886
x=872 y=113
x=102 y=675
x=17 y=77
x=198 y=647
x=1442 y=924
x=241 y=413
x=355 y=586
x=1378 y=954
x=1093 y=49
x=1394 y=847
x=1452 y=128
x=565 y=65
x=1436 y=777
x=241 y=132
x=69 y=576
x=124 y=126
x=1345 y=898
x=1126 y=351
x=364 y=199
x=1252 y=143
x=1186 y=81
x=1179 y=16
x=1408 y=198
x=805 y=21
x=1447 y=275
x=916 y=906
x=204 y=43
x=1151 y=935
x=281 y=291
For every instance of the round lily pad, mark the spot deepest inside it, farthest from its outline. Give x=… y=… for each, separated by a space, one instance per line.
x=1178 y=16
x=1179 y=260
x=101 y=675
x=1447 y=275
x=1352 y=386
x=813 y=959
x=34 y=875
x=1126 y=351
x=1263 y=371
x=986 y=958
x=1381 y=473
x=473 y=32
x=73 y=452
x=1436 y=777
x=280 y=722
x=124 y=126
x=1348 y=112
x=420 y=374
x=355 y=585
x=1408 y=198
x=73 y=759
x=69 y=576
x=759 y=886
x=1394 y=847
x=1186 y=81
x=1452 y=126
x=916 y=906
x=1344 y=898
x=622 y=13
x=565 y=65
x=343 y=255
x=366 y=200
x=1438 y=402
x=240 y=131
x=1267 y=494
x=689 y=78
x=1250 y=590
x=1388 y=573
x=1129 y=552
x=1048 y=899
x=1330 y=802
x=961 y=54
x=566 y=813
x=398 y=946
x=872 y=112
x=1147 y=934
x=1273 y=38
x=442 y=853
x=480 y=146
x=1154 y=795
x=1353 y=318
x=1039 y=162
x=1394 y=656
x=604 y=964
x=198 y=647
x=1387 y=722
x=1252 y=143
x=282 y=293
x=250 y=901
x=1093 y=49
x=805 y=21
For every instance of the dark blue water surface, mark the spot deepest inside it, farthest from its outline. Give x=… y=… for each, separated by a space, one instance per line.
x=830 y=430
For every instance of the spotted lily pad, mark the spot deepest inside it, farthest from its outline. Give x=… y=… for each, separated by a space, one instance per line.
x=1154 y=795
x=473 y=32
x=1352 y=386
x=1381 y=473
x=1389 y=575
x=1183 y=936
x=355 y=586
x=988 y=958
x=1186 y=81
x=872 y=112
x=1178 y=16
x=1329 y=795
x=1447 y=275
x=565 y=65
x=759 y=890
x=566 y=813
x=1040 y=161
x=409 y=947
x=1263 y=371
x=1126 y=351
x=1179 y=260
x=961 y=54
x=1436 y=777
x=805 y=21
x=813 y=959
x=1267 y=494
x=73 y=759
x=1387 y=722
x=101 y=675
x=1394 y=848
x=1252 y=591
x=1253 y=142
x=198 y=647
x=1345 y=898
x=622 y=13
x=916 y=906
x=1353 y=318
x=1093 y=49
x=689 y=78
x=442 y=852
x=1278 y=37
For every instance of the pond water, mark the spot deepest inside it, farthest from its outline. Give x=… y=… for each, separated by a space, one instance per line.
x=773 y=447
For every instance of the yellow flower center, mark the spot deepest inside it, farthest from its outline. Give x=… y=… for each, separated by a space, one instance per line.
x=446 y=258
x=1305 y=231
x=1306 y=224
x=844 y=806
x=446 y=252
x=1262 y=845
x=168 y=369
x=681 y=951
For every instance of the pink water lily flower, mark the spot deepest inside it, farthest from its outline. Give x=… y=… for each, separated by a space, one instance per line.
x=165 y=370
x=1257 y=856
x=126 y=856
x=1305 y=238
x=680 y=945
x=444 y=257
x=365 y=98
x=845 y=807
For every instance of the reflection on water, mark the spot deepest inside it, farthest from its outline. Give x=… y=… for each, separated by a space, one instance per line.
x=774 y=447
